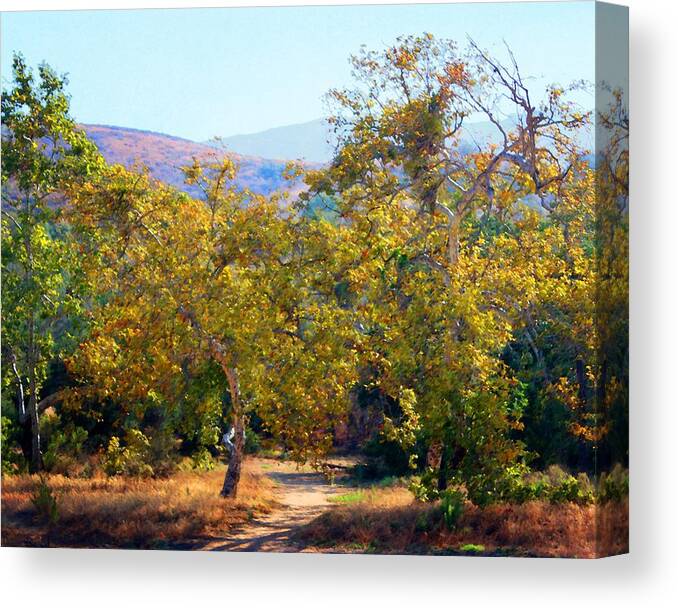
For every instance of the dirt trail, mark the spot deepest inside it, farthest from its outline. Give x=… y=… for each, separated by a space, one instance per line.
x=303 y=495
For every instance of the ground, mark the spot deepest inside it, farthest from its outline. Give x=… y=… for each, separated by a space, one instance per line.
x=302 y=495
x=284 y=508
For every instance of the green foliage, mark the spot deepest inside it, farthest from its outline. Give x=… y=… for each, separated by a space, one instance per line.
x=613 y=486
x=425 y=487
x=45 y=503
x=452 y=507
x=131 y=459
x=471 y=548
x=12 y=462
x=468 y=314
x=555 y=486
x=383 y=458
x=202 y=460
x=64 y=448
x=44 y=154
x=252 y=443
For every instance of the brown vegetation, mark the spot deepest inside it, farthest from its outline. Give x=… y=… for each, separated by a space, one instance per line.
x=129 y=513
x=389 y=521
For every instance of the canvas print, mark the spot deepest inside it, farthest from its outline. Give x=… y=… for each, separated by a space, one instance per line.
x=338 y=279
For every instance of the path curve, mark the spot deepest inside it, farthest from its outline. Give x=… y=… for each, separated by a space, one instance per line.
x=302 y=494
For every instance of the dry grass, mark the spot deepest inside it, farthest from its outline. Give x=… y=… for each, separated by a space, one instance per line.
x=389 y=521
x=131 y=513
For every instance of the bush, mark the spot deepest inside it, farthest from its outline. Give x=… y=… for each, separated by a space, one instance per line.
x=64 y=449
x=613 y=486
x=163 y=454
x=555 y=486
x=12 y=461
x=252 y=443
x=425 y=488
x=45 y=503
x=202 y=460
x=452 y=507
x=132 y=459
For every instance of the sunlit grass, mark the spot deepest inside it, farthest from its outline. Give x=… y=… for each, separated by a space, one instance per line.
x=126 y=512
x=389 y=520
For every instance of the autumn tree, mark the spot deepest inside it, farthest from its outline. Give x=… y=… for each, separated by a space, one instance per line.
x=229 y=281
x=436 y=226
x=43 y=154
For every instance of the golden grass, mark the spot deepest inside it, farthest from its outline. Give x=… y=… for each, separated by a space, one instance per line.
x=131 y=513
x=390 y=521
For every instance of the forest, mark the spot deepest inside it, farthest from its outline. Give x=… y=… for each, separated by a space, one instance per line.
x=433 y=339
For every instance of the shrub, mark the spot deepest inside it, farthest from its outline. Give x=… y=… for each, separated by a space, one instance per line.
x=64 y=449
x=132 y=459
x=425 y=487
x=202 y=460
x=12 y=461
x=163 y=454
x=45 y=503
x=572 y=489
x=554 y=485
x=452 y=507
x=613 y=486
x=252 y=443
x=471 y=548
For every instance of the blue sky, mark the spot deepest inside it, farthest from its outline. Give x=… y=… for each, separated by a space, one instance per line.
x=197 y=73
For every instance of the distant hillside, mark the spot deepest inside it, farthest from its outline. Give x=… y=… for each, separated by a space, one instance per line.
x=309 y=140
x=305 y=141
x=261 y=157
x=164 y=155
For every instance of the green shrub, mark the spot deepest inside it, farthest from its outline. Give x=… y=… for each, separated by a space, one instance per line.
x=473 y=549
x=45 y=503
x=425 y=487
x=132 y=459
x=64 y=449
x=452 y=507
x=572 y=489
x=12 y=460
x=554 y=485
x=613 y=486
x=252 y=443
x=202 y=460
x=163 y=453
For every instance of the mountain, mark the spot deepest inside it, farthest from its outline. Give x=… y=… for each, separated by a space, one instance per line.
x=305 y=141
x=309 y=140
x=261 y=157
x=164 y=155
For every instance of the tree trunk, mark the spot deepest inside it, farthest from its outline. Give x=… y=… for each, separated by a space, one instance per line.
x=232 y=478
x=36 y=454
x=33 y=414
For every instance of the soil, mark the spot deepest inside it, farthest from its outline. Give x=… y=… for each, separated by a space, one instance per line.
x=302 y=494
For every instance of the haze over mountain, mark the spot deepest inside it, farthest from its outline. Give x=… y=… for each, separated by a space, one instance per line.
x=304 y=141
x=313 y=141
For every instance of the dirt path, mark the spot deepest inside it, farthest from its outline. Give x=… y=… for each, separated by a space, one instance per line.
x=303 y=495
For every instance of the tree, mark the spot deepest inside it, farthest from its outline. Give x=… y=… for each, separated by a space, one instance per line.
x=229 y=281
x=437 y=225
x=43 y=153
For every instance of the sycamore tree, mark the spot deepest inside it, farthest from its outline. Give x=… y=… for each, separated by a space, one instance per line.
x=43 y=154
x=231 y=281
x=436 y=228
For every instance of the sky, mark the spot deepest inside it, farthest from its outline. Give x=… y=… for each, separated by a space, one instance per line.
x=200 y=73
